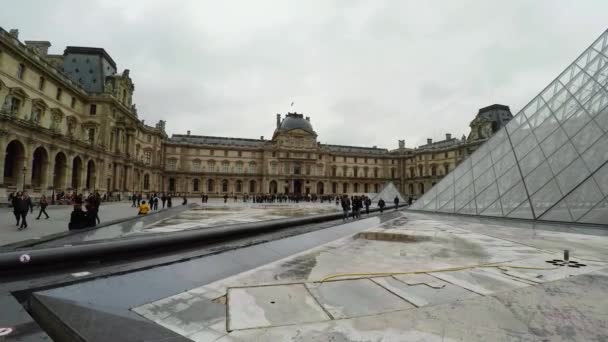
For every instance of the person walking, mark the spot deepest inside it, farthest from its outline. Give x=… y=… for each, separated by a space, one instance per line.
x=169 y=204
x=24 y=204
x=14 y=201
x=184 y=200
x=355 y=204
x=43 y=204
x=78 y=218
x=381 y=205
x=368 y=202
x=163 y=198
x=134 y=200
x=155 y=202
x=396 y=201
x=345 y=207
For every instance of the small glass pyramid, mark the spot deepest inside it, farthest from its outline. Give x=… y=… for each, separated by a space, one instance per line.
x=549 y=163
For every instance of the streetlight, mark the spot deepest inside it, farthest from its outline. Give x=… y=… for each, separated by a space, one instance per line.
x=24 y=172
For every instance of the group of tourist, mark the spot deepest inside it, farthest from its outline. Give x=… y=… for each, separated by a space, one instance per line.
x=79 y=218
x=354 y=204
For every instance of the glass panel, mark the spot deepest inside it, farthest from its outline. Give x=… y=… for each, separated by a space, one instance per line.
x=484 y=180
x=446 y=196
x=520 y=134
x=539 y=117
x=513 y=198
x=553 y=142
x=448 y=207
x=550 y=92
x=586 y=137
x=567 y=75
x=576 y=122
x=507 y=180
x=531 y=161
x=464 y=181
x=464 y=197
x=462 y=168
x=545 y=198
x=587 y=90
x=501 y=149
x=565 y=111
x=546 y=128
x=504 y=164
x=520 y=118
x=585 y=197
x=597 y=103
x=493 y=209
x=469 y=208
x=601 y=177
x=539 y=177
x=564 y=156
x=587 y=57
x=526 y=145
x=487 y=197
x=597 y=154
x=559 y=212
x=482 y=165
x=572 y=176
x=523 y=211
x=479 y=154
x=602 y=118
x=599 y=214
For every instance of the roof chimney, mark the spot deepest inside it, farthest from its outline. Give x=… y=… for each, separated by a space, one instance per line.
x=429 y=141
x=308 y=118
x=401 y=144
x=278 y=120
x=14 y=33
x=261 y=137
x=188 y=132
x=40 y=46
x=448 y=136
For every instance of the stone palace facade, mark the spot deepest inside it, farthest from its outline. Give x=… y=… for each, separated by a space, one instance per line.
x=67 y=123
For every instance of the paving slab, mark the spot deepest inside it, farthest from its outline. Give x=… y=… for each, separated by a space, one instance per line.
x=480 y=281
x=265 y=306
x=424 y=295
x=352 y=298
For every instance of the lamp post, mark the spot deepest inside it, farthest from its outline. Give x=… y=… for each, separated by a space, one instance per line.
x=24 y=173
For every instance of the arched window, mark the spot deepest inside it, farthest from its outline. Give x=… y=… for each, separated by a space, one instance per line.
x=239 y=167
x=356 y=187
x=345 y=188
x=251 y=186
x=196 y=165
x=420 y=188
x=239 y=186
x=225 y=167
x=433 y=170
x=171 y=184
x=375 y=172
x=333 y=172
x=211 y=166
x=224 y=186
x=420 y=171
x=252 y=168
x=210 y=186
x=356 y=172
x=195 y=185
x=146 y=181
x=446 y=168
x=393 y=173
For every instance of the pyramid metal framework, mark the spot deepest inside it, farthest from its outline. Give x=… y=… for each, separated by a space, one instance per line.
x=388 y=194
x=549 y=162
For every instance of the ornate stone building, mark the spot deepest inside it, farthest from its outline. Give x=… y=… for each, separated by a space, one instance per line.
x=67 y=123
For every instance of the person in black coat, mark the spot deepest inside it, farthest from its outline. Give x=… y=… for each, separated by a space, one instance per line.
x=78 y=218
x=381 y=205
x=396 y=201
x=24 y=204
x=368 y=202
x=14 y=200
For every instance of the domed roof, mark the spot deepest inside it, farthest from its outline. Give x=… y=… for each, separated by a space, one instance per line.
x=295 y=121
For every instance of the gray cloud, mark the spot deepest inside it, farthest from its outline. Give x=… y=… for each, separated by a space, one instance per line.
x=366 y=72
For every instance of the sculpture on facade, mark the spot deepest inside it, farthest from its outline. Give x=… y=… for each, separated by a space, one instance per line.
x=7 y=107
x=35 y=115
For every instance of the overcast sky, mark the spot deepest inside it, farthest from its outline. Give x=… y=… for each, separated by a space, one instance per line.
x=366 y=72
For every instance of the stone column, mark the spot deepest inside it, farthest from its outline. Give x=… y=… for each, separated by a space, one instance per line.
x=28 y=163
x=3 y=136
x=68 y=172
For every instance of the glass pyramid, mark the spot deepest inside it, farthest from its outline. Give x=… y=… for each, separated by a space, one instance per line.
x=550 y=162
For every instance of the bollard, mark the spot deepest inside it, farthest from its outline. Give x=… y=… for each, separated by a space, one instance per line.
x=566 y=255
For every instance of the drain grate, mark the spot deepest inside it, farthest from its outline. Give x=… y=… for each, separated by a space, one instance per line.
x=569 y=263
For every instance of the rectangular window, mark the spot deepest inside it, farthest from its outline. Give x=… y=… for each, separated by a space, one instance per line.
x=225 y=167
x=333 y=158
x=149 y=138
x=58 y=95
x=172 y=164
x=41 y=82
x=240 y=154
x=148 y=157
x=226 y=153
x=93 y=109
x=446 y=154
x=20 y=71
